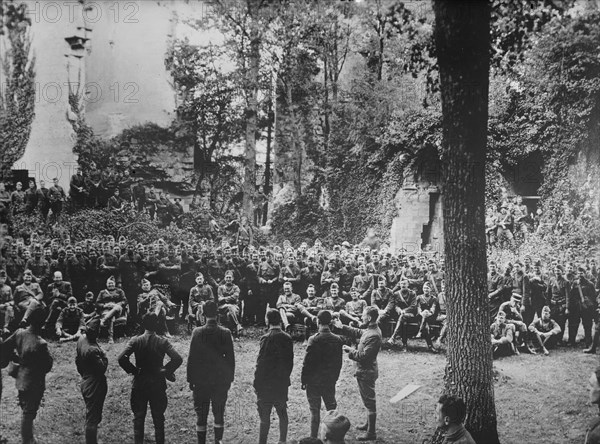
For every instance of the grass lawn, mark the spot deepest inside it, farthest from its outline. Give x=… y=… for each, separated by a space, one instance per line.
x=538 y=399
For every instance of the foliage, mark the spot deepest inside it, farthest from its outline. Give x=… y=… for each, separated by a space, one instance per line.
x=17 y=97
x=301 y=220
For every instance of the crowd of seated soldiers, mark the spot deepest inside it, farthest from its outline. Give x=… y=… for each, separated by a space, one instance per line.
x=118 y=281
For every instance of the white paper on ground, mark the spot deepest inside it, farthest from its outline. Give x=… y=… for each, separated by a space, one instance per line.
x=410 y=388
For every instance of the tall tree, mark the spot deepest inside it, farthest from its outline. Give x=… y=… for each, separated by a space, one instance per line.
x=462 y=37
x=17 y=94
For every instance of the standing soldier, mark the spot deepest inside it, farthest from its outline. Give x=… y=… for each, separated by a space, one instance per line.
x=56 y=196
x=558 y=291
x=43 y=200
x=272 y=376
x=91 y=364
x=210 y=372
x=149 y=377
x=321 y=370
x=139 y=196
x=32 y=363
x=151 y=201
x=367 y=372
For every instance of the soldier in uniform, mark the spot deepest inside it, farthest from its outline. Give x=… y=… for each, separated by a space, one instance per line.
x=77 y=190
x=149 y=377
x=286 y=304
x=56 y=197
x=151 y=300
x=558 y=292
x=545 y=330
x=57 y=295
x=414 y=275
x=70 y=322
x=33 y=362
x=151 y=201
x=321 y=369
x=404 y=302
x=6 y=302
x=28 y=294
x=43 y=200
x=311 y=306
x=112 y=301
x=427 y=309
x=502 y=335
x=272 y=376
x=310 y=275
x=39 y=267
x=199 y=295
x=228 y=296
x=139 y=196
x=352 y=314
x=91 y=363
x=365 y=356
x=31 y=198
x=364 y=283
x=268 y=274
x=210 y=372
x=380 y=295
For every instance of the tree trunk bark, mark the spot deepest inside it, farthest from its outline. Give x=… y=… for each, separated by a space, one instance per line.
x=462 y=36
x=267 y=184
x=249 y=187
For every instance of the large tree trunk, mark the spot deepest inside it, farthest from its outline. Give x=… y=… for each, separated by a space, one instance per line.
x=249 y=187
x=462 y=35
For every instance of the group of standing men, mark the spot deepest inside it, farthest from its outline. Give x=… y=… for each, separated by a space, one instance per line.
x=210 y=372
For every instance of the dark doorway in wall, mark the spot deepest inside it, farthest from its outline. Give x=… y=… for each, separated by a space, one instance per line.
x=525 y=177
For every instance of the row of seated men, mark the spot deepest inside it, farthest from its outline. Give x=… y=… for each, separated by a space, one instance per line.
x=66 y=317
x=568 y=293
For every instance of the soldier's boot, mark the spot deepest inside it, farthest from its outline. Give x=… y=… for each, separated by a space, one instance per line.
x=27 y=428
x=219 y=429
x=91 y=435
x=201 y=434
x=370 y=434
x=138 y=432
x=595 y=341
x=111 y=333
x=315 y=421
x=159 y=434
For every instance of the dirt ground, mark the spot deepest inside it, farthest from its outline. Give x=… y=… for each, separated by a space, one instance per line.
x=538 y=399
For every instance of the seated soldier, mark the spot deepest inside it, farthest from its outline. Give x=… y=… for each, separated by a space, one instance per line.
x=451 y=414
x=70 y=322
x=286 y=304
x=6 y=301
x=502 y=335
x=57 y=296
x=512 y=310
x=442 y=317
x=199 y=294
x=88 y=306
x=151 y=300
x=352 y=315
x=112 y=302
x=546 y=330
x=337 y=302
x=427 y=309
x=380 y=295
x=228 y=295
x=310 y=307
x=27 y=297
x=406 y=301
